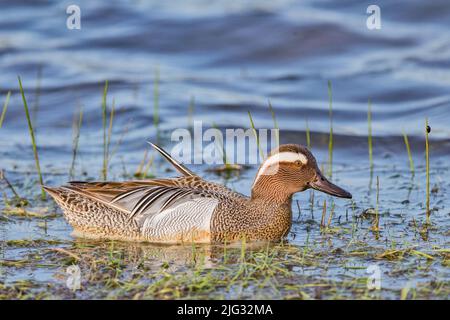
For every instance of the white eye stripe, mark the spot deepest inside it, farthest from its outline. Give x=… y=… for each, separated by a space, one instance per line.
x=285 y=157
x=267 y=167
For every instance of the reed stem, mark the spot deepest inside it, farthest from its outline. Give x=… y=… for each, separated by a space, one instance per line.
x=427 y=158
x=308 y=135
x=221 y=147
x=3 y=177
x=376 y=222
x=105 y=156
x=76 y=137
x=141 y=164
x=324 y=212
x=408 y=149
x=256 y=135
x=275 y=123
x=369 y=122
x=33 y=140
x=108 y=139
x=5 y=107
x=147 y=167
x=330 y=141
x=377 y=207
x=331 y=215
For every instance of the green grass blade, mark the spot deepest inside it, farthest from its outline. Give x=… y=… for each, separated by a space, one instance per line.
x=408 y=149
x=331 y=215
x=369 y=138
x=377 y=207
x=105 y=156
x=108 y=140
x=145 y=173
x=308 y=135
x=256 y=135
x=275 y=123
x=76 y=137
x=324 y=212
x=5 y=107
x=330 y=141
x=221 y=147
x=33 y=140
x=427 y=158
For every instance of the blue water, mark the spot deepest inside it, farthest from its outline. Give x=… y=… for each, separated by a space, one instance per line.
x=230 y=58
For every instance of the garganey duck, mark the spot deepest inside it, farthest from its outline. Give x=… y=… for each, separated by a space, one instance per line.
x=188 y=208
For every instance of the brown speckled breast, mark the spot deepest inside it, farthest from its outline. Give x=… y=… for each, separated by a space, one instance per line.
x=253 y=219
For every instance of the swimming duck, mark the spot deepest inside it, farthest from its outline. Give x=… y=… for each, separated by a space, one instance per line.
x=188 y=208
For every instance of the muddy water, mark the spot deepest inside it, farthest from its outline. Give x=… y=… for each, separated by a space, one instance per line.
x=231 y=59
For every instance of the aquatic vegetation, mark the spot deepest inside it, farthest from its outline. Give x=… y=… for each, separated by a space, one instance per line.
x=369 y=136
x=227 y=167
x=33 y=140
x=427 y=159
x=286 y=270
x=308 y=134
x=145 y=173
x=331 y=215
x=143 y=169
x=408 y=150
x=255 y=133
x=5 y=107
x=104 y=116
x=330 y=139
x=275 y=124
x=17 y=201
x=140 y=167
x=324 y=213
x=376 y=222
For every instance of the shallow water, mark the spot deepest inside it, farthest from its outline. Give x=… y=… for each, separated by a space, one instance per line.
x=231 y=59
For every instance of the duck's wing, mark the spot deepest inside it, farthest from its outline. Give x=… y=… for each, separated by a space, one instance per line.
x=144 y=197
x=181 y=168
x=137 y=198
x=166 y=209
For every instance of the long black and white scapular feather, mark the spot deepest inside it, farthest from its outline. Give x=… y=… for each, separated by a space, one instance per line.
x=181 y=168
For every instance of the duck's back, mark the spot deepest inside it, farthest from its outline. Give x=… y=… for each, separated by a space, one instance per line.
x=160 y=210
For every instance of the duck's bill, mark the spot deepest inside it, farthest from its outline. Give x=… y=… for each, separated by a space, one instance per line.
x=322 y=184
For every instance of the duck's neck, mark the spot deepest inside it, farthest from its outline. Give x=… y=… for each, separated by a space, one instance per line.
x=268 y=188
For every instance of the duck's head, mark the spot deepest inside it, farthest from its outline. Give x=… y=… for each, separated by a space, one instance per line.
x=288 y=169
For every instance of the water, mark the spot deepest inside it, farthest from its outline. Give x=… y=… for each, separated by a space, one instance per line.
x=232 y=58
